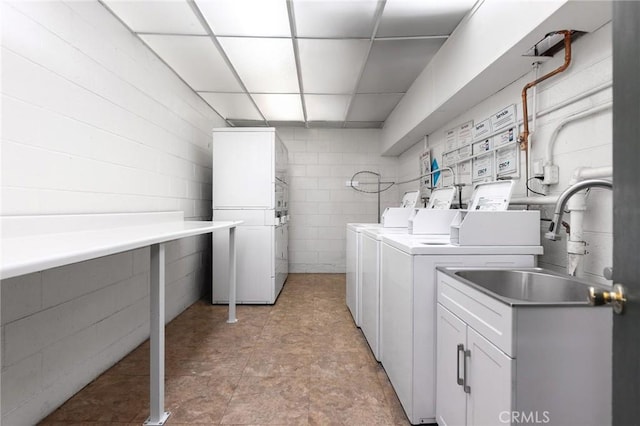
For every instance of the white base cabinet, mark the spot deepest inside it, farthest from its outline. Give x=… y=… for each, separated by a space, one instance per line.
x=474 y=375
x=502 y=364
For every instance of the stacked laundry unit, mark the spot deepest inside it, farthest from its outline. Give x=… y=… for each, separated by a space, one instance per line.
x=250 y=184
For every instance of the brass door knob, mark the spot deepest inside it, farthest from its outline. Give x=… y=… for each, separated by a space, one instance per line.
x=616 y=298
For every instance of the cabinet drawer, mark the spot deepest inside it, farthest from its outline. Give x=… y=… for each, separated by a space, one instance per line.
x=489 y=317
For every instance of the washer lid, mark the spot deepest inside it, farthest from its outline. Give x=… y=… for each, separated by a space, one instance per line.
x=491 y=196
x=441 y=198
x=410 y=199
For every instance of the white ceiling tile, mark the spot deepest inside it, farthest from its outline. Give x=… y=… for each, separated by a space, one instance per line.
x=331 y=66
x=326 y=107
x=196 y=60
x=265 y=65
x=334 y=18
x=257 y=18
x=169 y=17
x=393 y=65
x=232 y=105
x=422 y=17
x=255 y=36
x=280 y=107
x=369 y=107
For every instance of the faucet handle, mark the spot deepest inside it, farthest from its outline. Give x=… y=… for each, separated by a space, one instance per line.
x=607 y=272
x=552 y=236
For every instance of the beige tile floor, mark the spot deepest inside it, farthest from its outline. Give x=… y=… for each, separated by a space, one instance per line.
x=301 y=361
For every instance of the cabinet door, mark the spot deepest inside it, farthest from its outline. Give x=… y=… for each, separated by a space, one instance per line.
x=489 y=375
x=450 y=396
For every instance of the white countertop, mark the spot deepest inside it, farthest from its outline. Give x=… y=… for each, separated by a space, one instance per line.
x=434 y=245
x=21 y=255
x=35 y=243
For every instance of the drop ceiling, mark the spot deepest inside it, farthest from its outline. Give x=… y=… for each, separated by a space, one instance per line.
x=312 y=63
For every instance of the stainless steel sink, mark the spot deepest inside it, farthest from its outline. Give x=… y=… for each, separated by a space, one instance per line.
x=531 y=285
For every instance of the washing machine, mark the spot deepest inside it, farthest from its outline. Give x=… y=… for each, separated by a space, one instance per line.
x=408 y=309
x=370 y=277
x=354 y=266
x=393 y=217
x=486 y=235
x=371 y=243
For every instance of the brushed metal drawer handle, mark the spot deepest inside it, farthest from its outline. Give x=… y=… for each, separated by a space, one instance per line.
x=467 y=388
x=460 y=350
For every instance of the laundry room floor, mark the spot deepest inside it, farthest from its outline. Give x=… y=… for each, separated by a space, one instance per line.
x=301 y=361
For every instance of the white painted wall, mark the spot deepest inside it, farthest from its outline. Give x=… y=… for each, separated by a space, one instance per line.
x=92 y=121
x=586 y=143
x=320 y=162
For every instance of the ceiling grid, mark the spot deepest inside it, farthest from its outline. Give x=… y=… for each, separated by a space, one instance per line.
x=312 y=63
x=379 y=11
x=296 y=53
x=205 y=25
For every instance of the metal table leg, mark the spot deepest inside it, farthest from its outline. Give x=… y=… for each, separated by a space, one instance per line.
x=232 y=276
x=157 y=301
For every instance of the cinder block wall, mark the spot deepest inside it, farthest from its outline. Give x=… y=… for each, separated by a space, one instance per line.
x=92 y=122
x=321 y=205
x=583 y=143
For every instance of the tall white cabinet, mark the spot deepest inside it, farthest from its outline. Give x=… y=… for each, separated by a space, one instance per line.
x=250 y=184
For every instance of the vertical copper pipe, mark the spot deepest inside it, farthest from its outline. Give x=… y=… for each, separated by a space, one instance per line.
x=523 y=139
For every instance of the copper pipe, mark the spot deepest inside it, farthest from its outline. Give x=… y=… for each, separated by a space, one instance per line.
x=523 y=139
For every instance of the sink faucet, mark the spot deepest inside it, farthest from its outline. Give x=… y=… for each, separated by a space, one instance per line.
x=564 y=197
